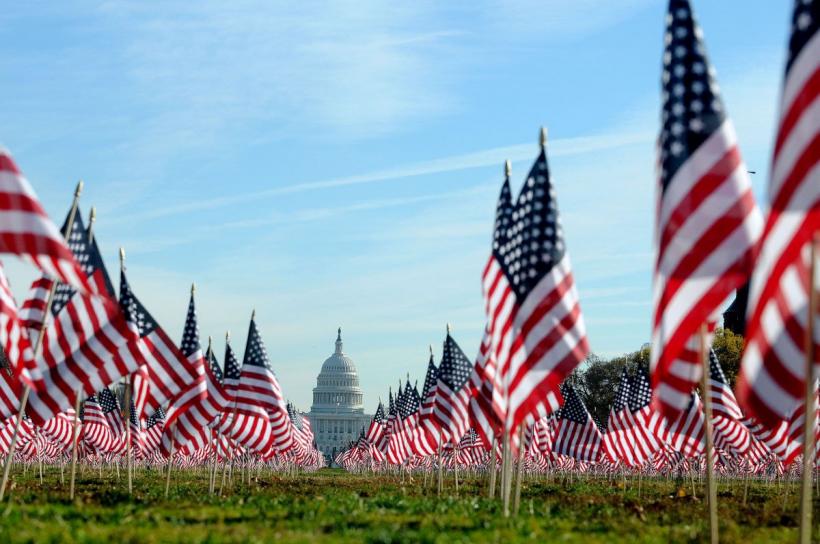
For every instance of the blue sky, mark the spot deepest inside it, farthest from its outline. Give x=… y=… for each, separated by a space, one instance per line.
x=337 y=163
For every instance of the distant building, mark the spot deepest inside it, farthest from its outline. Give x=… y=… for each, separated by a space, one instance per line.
x=337 y=415
x=734 y=318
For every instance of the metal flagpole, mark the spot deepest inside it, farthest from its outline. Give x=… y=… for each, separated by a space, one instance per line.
x=710 y=462
x=810 y=410
x=38 y=346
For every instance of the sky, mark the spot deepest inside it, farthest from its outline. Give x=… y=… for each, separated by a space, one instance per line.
x=337 y=163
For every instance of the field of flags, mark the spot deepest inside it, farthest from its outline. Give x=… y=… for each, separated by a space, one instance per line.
x=90 y=378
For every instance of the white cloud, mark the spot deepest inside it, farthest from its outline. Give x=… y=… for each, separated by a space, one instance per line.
x=582 y=145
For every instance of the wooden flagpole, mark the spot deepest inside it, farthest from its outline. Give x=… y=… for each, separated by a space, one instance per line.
x=506 y=472
x=170 y=461
x=74 y=440
x=710 y=462
x=214 y=435
x=130 y=453
x=519 y=472
x=127 y=411
x=440 y=468
x=810 y=410
x=38 y=346
x=493 y=467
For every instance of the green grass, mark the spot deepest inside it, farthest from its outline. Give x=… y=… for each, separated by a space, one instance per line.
x=332 y=506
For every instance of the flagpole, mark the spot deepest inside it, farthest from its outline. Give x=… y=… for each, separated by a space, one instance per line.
x=440 y=467
x=75 y=440
x=128 y=435
x=214 y=435
x=493 y=466
x=519 y=471
x=710 y=462
x=38 y=346
x=505 y=472
x=810 y=410
x=127 y=410
x=170 y=461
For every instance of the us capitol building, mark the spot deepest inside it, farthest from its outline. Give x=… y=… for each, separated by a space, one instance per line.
x=337 y=415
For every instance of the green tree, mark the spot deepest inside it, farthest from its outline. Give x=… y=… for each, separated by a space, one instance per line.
x=597 y=382
x=728 y=347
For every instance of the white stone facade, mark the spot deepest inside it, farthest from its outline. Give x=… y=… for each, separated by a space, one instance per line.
x=337 y=415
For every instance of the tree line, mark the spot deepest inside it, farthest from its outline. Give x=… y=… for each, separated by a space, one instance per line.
x=597 y=379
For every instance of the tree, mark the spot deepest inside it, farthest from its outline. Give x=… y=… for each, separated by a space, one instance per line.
x=728 y=347
x=597 y=383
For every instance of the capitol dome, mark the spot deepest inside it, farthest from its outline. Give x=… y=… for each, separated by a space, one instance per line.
x=337 y=386
x=337 y=415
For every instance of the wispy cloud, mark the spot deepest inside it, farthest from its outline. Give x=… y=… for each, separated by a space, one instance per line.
x=478 y=159
x=304 y=215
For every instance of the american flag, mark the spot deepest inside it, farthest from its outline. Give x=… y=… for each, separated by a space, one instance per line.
x=103 y=427
x=451 y=404
x=213 y=365
x=544 y=433
x=11 y=388
x=375 y=433
x=796 y=428
x=577 y=435
x=232 y=373
x=428 y=433
x=376 y=428
x=730 y=433
x=484 y=418
x=642 y=418
x=13 y=337
x=389 y=422
x=536 y=331
x=261 y=419
x=27 y=231
x=135 y=430
x=685 y=434
x=615 y=442
x=60 y=429
x=164 y=372
x=772 y=380
x=86 y=344
x=415 y=440
x=707 y=221
x=202 y=401
x=398 y=447
x=25 y=434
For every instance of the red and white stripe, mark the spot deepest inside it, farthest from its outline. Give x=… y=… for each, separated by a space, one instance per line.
x=98 y=431
x=772 y=378
x=82 y=350
x=535 y=343
x=706 y=226
x=27 y=231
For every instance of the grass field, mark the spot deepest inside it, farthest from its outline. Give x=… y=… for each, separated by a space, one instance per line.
x=332 y=506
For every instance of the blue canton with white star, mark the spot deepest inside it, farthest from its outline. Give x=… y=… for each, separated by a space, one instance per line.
x=691 y=106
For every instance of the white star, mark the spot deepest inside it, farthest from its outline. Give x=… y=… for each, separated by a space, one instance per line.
x=803 y=20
